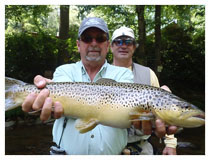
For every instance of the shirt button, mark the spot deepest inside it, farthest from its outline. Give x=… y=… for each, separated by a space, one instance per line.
x=92 y=136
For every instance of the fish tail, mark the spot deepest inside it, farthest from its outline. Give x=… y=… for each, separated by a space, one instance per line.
x=10 y=84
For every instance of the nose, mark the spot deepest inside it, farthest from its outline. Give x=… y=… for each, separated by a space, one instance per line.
x=94 y=42
x=123 y=45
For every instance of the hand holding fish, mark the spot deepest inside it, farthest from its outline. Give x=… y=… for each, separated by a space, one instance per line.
x=42 y=101
x=160 y=128
x=169 y=151
x=160 y=125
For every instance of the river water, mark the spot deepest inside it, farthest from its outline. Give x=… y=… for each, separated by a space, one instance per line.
x=36 y=139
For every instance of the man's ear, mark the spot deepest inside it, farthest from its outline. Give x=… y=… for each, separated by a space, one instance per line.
x=78 y=45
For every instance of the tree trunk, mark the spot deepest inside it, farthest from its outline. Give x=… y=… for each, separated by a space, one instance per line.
x=158 y=66
x=63 y=55
x=142 y=35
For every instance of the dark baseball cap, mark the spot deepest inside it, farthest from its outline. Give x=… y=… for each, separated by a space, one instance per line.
x=93 y=22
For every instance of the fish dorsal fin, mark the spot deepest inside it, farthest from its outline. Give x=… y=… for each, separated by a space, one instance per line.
x=85 y=125
x=105 y=80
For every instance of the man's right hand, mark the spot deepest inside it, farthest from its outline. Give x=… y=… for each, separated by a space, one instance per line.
x=42 y=101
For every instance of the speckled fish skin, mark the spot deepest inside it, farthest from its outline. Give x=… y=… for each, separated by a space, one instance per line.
x=113 y=104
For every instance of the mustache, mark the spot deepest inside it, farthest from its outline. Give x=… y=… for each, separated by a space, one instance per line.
x=122 y=51
x=94 y=49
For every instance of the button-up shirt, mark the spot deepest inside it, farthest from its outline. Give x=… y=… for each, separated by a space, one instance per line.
x=102 y=139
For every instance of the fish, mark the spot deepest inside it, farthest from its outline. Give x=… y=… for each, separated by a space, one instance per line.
x=110 y=103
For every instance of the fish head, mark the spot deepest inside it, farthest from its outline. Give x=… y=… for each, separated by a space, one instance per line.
x=182 y=114
x=191 y=115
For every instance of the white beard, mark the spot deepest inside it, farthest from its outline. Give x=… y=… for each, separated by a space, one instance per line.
x=93 y=58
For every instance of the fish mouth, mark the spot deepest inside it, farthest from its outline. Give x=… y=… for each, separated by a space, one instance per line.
x=193 y=114
x=199 y=116
x=196 y=120
x=192 y=119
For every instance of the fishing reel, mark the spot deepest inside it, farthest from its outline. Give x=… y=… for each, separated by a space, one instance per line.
x=57 y=150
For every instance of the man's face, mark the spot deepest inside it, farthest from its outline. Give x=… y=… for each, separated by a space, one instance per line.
x=93 y=45
x=123 y=47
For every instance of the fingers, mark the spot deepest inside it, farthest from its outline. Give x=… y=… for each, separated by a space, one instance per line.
x=165 y=88
x=47 y=109
x=169 y=151
x=147 y=127
x=172 y=130
x=126 y=151
x=144 y=126
x=58 y=111
x=36 y=102
x=41 y=82
x=39 y=101
x=27 y=104
x=160 y=130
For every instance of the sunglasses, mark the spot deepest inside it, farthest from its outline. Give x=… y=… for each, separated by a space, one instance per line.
x=89 y=39
x=120 y=42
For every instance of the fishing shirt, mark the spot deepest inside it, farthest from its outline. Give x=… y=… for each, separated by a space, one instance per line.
x=102 y=139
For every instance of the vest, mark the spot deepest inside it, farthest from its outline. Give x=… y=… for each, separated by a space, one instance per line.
x=141 y=74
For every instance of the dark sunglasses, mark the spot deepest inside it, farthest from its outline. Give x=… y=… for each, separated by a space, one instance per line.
x=89 y=39
x=127 y=42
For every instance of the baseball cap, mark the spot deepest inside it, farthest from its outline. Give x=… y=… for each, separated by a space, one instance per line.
x=93 y=22
x=123 y=31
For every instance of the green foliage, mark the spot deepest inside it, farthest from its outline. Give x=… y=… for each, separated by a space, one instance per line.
x=27 y=17
x=72 y=46
x=84 y=11
x=183 y=60
x=29 y=54
x=114 y=15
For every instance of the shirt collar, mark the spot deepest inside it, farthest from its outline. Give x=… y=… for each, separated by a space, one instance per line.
x=103 y=68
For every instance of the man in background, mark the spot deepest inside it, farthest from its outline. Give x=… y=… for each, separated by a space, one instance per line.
x=123 y=46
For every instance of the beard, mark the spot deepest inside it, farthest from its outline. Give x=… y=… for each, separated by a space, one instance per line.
x=93 y=54
x=98 y=58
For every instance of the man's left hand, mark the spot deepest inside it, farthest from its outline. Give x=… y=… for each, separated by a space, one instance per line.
x=169 y=151
x=160 y=127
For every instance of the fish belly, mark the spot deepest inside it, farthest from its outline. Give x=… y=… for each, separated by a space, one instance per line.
x=103 y=114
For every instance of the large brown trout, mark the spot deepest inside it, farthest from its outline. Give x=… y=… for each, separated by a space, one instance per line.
x=110 y=103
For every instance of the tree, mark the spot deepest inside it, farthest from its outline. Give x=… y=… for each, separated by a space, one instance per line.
x=26 y=18
x=63 y=54
x=158 y=66
x=142 y=35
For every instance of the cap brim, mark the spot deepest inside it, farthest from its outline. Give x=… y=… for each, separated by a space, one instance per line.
x=101 y=28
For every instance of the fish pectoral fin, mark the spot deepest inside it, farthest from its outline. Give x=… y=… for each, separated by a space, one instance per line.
x=141 y=116
x=85 y=125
